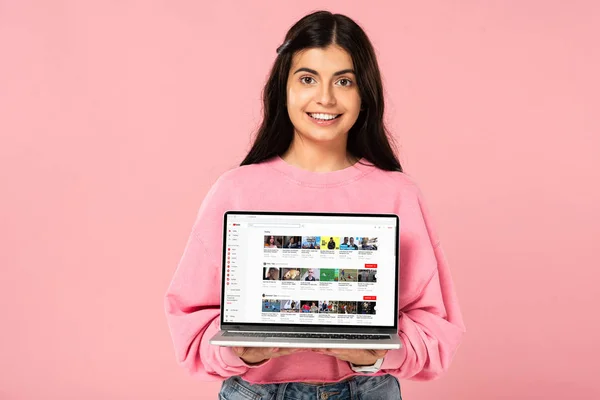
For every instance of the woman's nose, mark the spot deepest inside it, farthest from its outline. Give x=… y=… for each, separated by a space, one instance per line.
x=325 y=96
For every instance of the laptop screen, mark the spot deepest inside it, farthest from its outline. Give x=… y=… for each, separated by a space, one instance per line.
x=310 y=269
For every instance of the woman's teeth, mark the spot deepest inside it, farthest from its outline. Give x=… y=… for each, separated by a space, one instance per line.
x=324 y=117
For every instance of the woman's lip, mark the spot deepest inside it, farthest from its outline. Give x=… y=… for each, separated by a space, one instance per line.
x=336 y=115
x=324 y=122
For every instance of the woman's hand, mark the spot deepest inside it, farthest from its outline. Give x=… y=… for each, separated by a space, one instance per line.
x=354 y=356
x=256 y=355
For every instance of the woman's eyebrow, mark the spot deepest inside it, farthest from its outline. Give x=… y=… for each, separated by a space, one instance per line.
x=312 y=71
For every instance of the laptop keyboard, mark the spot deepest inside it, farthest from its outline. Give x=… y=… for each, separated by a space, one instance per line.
x=340 y=336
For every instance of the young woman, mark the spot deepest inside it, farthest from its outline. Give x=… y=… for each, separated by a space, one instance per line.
x=322 y=138
x=271 y=242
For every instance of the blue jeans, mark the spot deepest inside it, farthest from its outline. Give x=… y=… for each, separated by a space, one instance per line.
x=383 y=387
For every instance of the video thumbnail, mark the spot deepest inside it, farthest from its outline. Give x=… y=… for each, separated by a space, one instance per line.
x=347 y=307
x=270 y=274
x=270 y=305
x=349 y=243
x=347 y=275
x=330 y=243
x=366 y=243
x=328 y=275
x=309 y=306
x=292 y=242
x=290 y=274
x=290 y=306
x=273 y=242
x=309 y=274
x=311 y=242
x=367 y=275
x=366 y=307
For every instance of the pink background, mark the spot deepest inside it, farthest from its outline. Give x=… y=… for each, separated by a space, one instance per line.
x=115 y=117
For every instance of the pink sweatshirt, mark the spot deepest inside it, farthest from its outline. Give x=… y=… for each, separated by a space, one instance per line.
x=430 y=321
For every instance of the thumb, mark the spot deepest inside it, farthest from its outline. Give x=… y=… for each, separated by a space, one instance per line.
x=238 y=350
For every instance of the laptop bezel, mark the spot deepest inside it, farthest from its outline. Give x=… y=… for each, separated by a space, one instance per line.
x=283 y=327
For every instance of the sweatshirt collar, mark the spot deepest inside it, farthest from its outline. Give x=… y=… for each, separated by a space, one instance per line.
x=320 y=179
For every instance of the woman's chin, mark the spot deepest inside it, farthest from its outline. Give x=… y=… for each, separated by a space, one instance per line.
x=323 y=136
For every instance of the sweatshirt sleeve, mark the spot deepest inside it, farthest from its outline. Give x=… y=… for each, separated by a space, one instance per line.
x=430 y=323
x=193 y=297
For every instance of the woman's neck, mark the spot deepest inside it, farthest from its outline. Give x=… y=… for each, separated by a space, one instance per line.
x=316 y=157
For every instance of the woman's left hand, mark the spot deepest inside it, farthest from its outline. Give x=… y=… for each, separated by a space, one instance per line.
x=354 y=356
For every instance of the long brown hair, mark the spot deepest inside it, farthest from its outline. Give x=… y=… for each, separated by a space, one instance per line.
x=368 y=138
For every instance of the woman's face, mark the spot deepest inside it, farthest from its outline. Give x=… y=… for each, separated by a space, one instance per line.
x=321 y=85
x=272 y=240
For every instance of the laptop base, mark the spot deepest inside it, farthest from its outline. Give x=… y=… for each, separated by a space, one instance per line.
x=231 y=339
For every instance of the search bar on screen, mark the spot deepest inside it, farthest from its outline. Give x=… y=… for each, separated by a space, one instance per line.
x=274 y=225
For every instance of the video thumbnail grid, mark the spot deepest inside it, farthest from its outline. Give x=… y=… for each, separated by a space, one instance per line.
x=319 y=274
x=319 y=306
x=325 y=242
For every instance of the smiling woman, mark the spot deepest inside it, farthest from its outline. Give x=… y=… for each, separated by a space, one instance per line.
x=324 y=91
x=323 y=134
x=321 y=92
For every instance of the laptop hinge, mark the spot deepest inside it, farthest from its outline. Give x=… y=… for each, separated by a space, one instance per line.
x=312 y=332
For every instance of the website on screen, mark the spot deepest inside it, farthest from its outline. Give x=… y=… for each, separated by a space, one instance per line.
x=310 y=269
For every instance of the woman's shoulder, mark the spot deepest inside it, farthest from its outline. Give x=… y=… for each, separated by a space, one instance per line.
x=235 y=175
x=400 y=180
x=238 y=172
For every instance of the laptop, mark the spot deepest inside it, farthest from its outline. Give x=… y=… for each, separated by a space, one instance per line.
x=309 y=280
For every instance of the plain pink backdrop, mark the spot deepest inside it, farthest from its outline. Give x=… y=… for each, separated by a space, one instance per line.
x=115 y=117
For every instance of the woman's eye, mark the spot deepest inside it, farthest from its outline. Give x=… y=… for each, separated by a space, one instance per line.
x=306 y=80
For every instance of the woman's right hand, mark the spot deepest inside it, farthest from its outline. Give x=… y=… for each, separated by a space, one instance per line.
x=256 y=355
